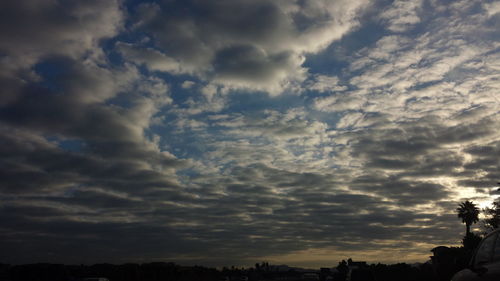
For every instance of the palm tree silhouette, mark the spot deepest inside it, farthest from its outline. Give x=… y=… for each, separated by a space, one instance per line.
x=469 y=213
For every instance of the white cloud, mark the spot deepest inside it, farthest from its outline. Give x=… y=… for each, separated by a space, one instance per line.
x=256 y=45
x=341 y=102
x=188 y=84
x=152 y=59
x=402 y=15
x=323 y=83
x=492 y=8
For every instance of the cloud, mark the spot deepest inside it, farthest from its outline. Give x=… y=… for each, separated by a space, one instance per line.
x=152 y=59
x=402 y=15
x=323 y=83
x=492 y=8
x=256 y=45
x=163 y=132
x=250 y=67
x=340 y=102
x=34 y=31
x=37 y=29
x=188 y=84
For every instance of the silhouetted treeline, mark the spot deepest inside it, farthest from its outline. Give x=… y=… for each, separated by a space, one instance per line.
x=172 y=272
x=402 y=271
x=125 y=272
x=383 y=272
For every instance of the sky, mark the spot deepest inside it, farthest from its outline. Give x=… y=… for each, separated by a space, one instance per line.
x=230 y=132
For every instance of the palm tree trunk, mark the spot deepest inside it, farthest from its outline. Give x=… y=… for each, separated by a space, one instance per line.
x=467 y=229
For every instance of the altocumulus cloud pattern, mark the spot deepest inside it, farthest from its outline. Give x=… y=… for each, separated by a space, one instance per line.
x=225 y=132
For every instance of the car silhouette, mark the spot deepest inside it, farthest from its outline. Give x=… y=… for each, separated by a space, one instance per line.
x=485 y=263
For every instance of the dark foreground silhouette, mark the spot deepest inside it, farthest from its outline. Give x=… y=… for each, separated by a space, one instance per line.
x=353 y=271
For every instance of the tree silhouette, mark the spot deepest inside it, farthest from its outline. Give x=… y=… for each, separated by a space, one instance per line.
x=492 y=221
x=471 y=241
x=469 y=213
x=342 y=269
